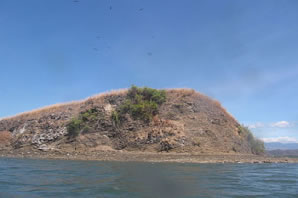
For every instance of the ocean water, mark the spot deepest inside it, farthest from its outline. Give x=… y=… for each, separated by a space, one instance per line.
x=27 y=178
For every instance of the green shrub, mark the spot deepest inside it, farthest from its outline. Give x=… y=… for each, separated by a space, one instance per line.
x=88 y=115
x=144 y=110
x=115 y=117
x=74 y=127
x=80 y=123
x=257 y=145
x=141 y=103
x=136 y=95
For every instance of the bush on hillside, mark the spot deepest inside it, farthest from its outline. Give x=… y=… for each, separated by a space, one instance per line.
x=137 y=95
x=79 y=124
x=74 y=127
x=140 y=103
x=257 y=145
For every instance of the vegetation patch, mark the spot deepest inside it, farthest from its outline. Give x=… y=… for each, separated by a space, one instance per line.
x=257 y=145
x=80 y=124
x=140 y=103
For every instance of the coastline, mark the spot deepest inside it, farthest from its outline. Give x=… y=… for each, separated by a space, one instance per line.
x=129 y=156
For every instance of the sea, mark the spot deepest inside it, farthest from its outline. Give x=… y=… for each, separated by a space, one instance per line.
x=31 y=178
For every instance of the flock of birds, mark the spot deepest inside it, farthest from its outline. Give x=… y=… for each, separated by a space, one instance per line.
x=99 y=37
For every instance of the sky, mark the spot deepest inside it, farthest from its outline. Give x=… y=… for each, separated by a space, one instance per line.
x=241 y=53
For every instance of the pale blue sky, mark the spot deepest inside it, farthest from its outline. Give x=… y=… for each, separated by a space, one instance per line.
x=242 y=53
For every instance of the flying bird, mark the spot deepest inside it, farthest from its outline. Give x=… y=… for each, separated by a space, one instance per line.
x=141 y=9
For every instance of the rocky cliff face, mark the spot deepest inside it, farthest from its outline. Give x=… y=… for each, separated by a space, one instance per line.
x=186 y=122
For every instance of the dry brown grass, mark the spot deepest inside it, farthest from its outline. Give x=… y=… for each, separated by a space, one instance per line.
x=108 y=93
x=183 y=92
x=99 y=98
x=218 y=104
x=5 y=137
x=63 y=106
x=44 y=110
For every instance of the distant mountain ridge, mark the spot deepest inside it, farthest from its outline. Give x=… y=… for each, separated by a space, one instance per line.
x=281 y=146
x=283 y=153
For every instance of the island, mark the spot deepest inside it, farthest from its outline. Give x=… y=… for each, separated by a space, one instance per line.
x=135 y=124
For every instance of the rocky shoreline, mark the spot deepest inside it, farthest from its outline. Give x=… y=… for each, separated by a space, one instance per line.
x=125 y=156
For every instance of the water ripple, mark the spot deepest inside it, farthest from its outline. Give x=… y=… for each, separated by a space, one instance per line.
x=22 y=178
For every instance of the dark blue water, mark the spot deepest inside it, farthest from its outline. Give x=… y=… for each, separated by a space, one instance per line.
x=58 y=178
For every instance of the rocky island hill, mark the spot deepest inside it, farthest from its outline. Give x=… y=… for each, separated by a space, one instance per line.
x=135 y=119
